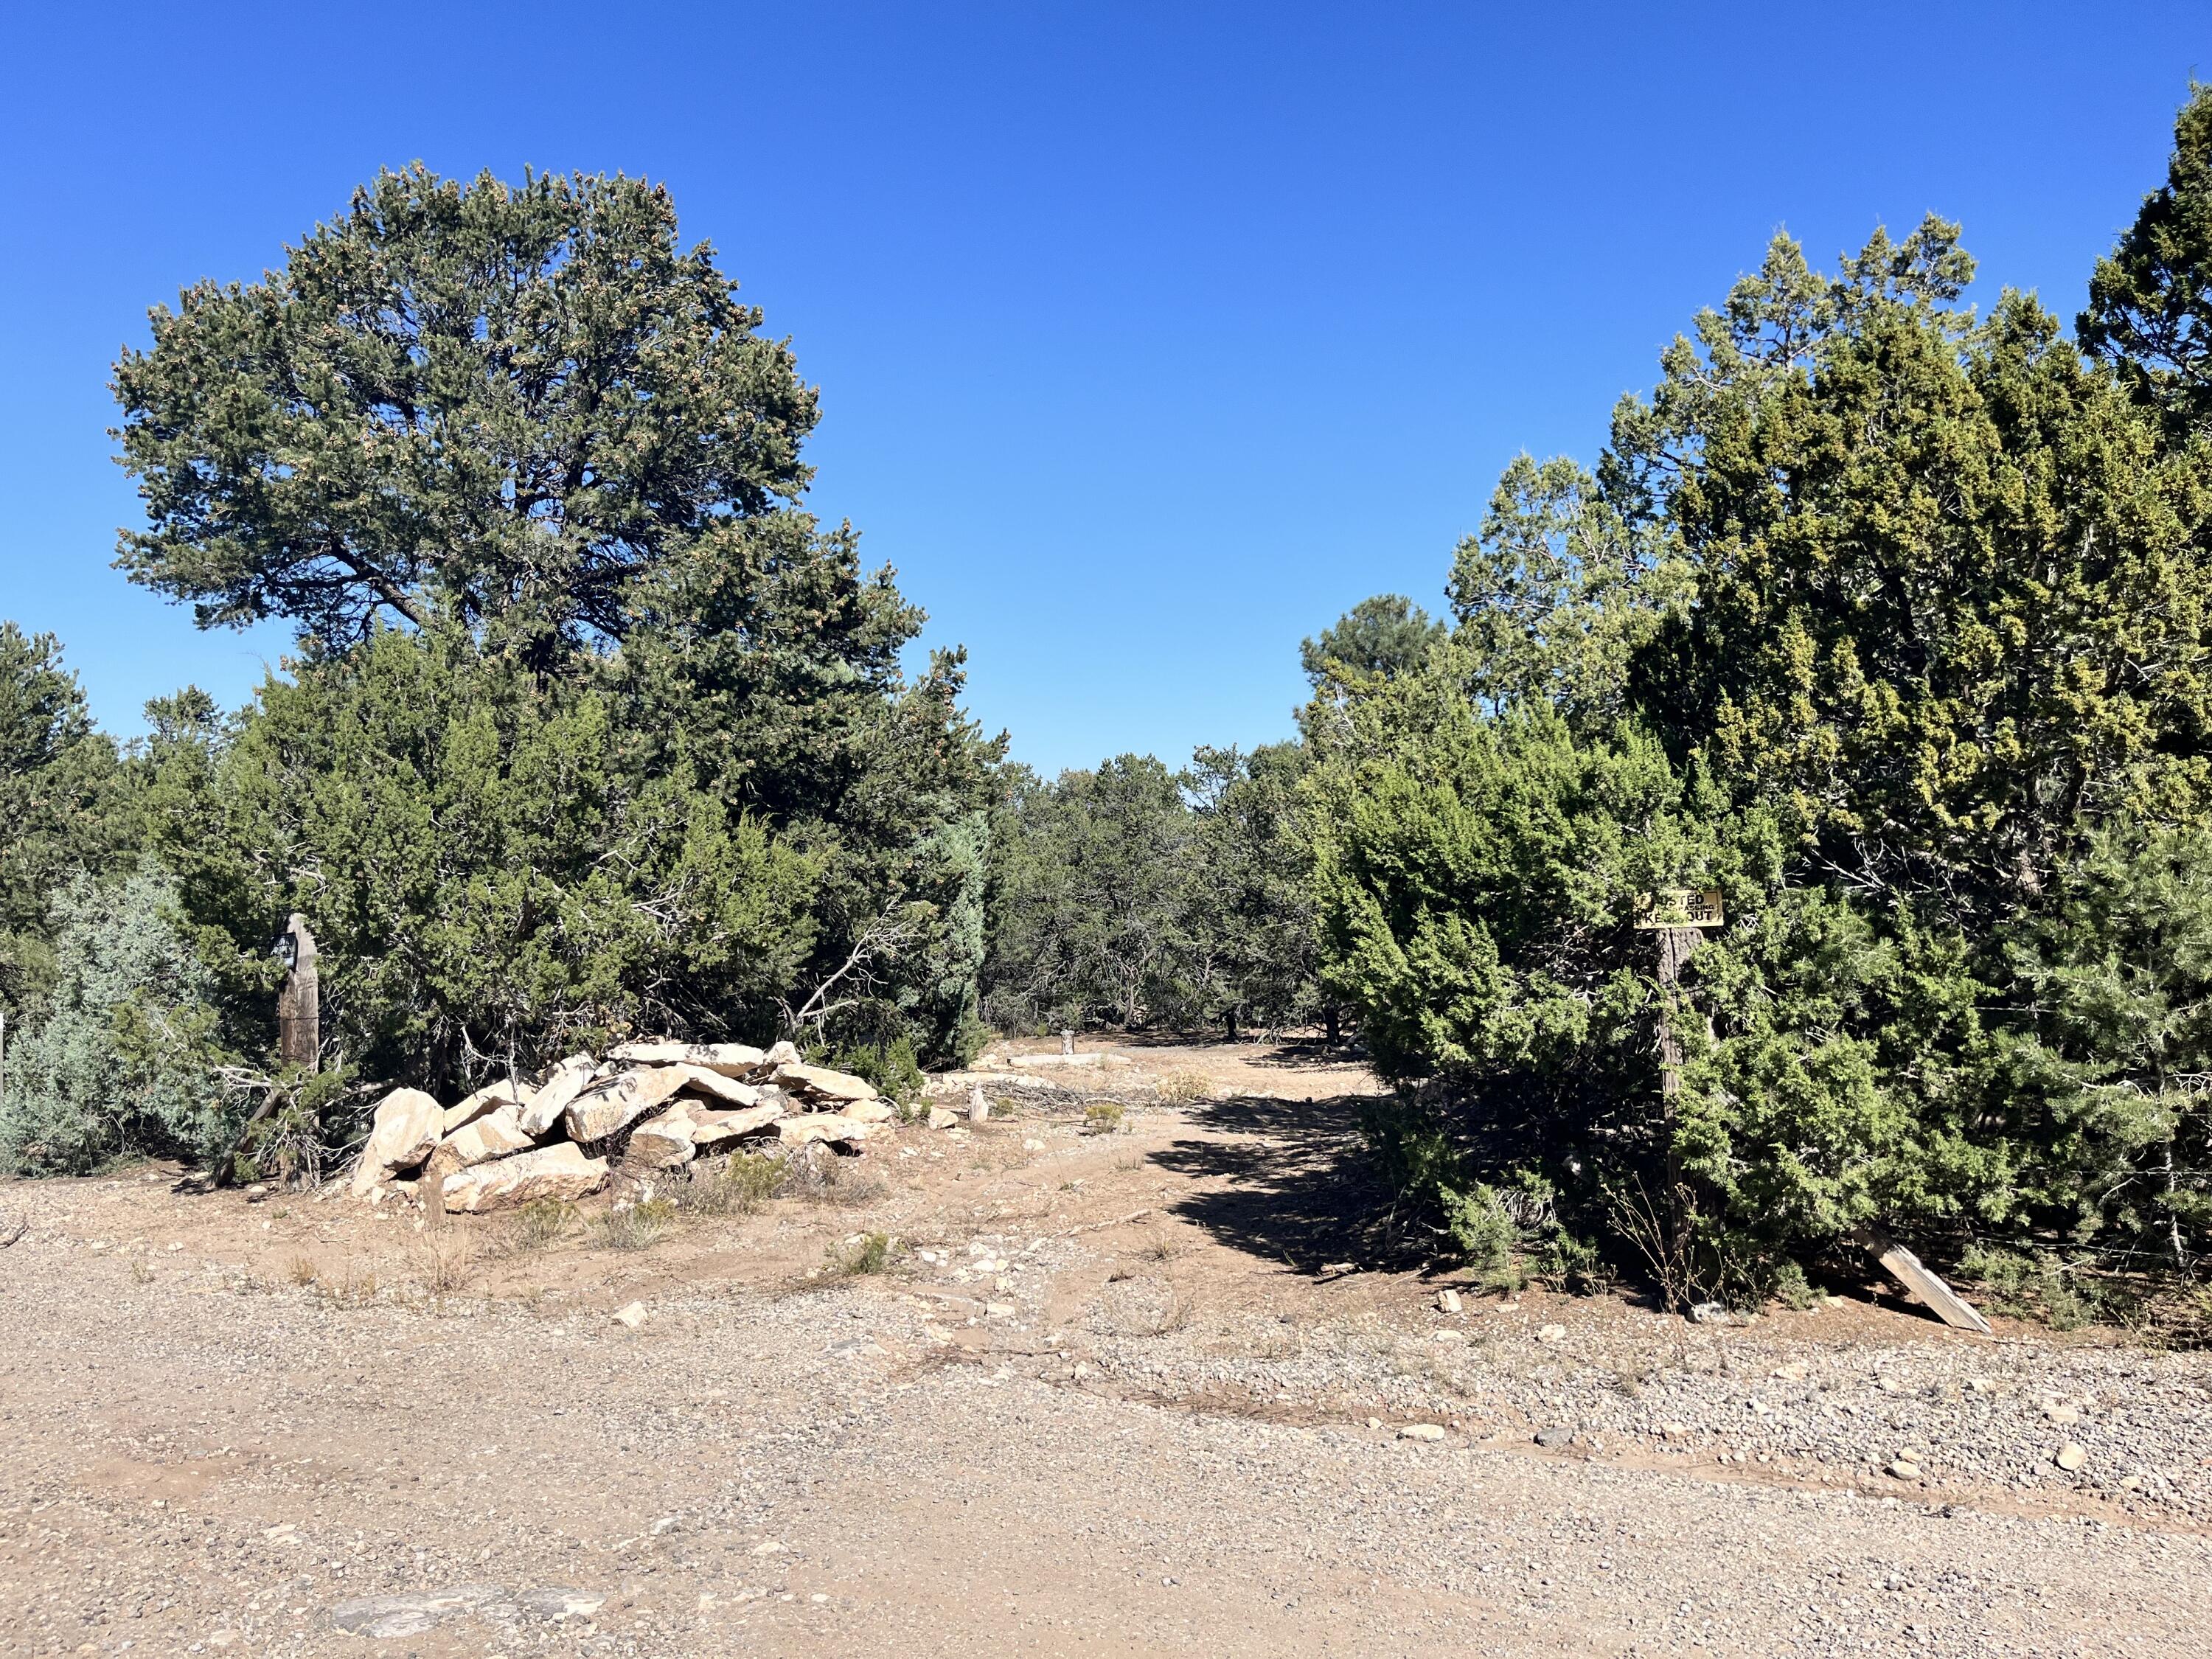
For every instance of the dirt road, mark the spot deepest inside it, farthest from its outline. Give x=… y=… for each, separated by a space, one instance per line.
x=1121 y=1393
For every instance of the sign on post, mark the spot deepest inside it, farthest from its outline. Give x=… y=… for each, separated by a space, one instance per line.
x=1679 y=906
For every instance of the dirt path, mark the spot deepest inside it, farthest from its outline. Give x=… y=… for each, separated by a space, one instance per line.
x=1112 y=1396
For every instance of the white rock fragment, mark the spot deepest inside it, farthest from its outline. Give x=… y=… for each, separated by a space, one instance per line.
x=405 y=1132
x=496 y=1134
x=559 y=1172
x=632 y=1315
x=612 y=1105
x=568 y=1081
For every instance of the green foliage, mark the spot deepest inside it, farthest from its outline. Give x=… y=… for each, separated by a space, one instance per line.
x=1379 y=638
x=1134 y=894
x=2151 y=300
x=1890 y=621
x=891 y=1067
x=501 y=404
x=125 y=1059
x=496 y=874
x=64 y=803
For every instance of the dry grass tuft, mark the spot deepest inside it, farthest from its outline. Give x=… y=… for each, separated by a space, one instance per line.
x=302 y=1271
x=740 y=1187
x=1186 y=1088
x=443 y=1266
x=637 y=1226
x=540 y=1225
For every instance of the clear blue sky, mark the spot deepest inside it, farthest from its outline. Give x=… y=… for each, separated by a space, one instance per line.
x=1150 y=337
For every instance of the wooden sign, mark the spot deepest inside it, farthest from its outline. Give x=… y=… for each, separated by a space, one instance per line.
x=1679 y=906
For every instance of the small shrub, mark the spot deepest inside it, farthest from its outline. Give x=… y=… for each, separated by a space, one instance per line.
x=442 y=1265
x=1102 y=1117
x=302 y=1272
x=1486 y=1236
x=638 y=1226
x=891 y=1067
x=1793 y=1290
x=868 y=1252
x=740 y=1187
x=542 y=1222
x=1185 y=1088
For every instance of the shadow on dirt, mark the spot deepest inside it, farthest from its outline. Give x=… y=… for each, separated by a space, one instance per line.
x=1299 y=1190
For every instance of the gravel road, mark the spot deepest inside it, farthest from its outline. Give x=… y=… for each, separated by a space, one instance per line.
x=1095 y=1407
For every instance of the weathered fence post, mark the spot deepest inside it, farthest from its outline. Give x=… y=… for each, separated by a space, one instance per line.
x=1066 y=1039
x=299 y=1005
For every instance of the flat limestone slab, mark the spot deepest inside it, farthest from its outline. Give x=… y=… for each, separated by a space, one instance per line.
x=569 y=1079
x=826 y=1127
x=560 y=1171
x=486 y=1100
x=820 y=1083
x=616 y=1102
x=705 y=1080
x=496 y=1134
x=724 y=1059
x=715 y=1128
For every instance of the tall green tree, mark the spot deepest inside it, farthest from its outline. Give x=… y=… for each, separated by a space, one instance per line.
x=500 y=403
x=65 y=804
x=518 y=447
x=2151 y=300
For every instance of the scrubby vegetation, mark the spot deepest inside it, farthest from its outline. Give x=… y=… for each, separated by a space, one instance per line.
x=1884 y=615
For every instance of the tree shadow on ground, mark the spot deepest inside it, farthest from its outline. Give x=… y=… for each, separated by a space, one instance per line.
x=1300 y=1189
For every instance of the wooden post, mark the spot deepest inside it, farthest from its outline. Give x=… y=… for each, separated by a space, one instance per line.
x=1066 y=1039
x=299 y=1005
x=1924 y=1287
x=1675 y=946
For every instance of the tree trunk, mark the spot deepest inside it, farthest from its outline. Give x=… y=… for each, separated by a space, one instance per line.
x=1331 y=1027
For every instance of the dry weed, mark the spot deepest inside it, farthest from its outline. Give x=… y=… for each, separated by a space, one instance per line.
x=1186 y=1088
x=442 y=1265
x=540 y=1225
x=740 y=1187
x=302 y=1271
x=637 y=1226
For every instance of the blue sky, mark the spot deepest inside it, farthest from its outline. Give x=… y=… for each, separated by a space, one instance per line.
x=1150 y=338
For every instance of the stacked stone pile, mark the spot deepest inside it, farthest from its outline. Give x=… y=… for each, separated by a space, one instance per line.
x=651 y=1105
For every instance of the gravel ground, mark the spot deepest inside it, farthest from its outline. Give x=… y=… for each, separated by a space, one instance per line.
x=1095 y=1407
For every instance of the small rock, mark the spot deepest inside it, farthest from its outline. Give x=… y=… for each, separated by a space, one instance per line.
x=1448 y=1302
x=999 y=1310
x=1710 y=1313
x=1793 y=1372
x=557 y=1604
x=1675 y=1430
x=1554 y=1437
x=633 y=1316
x=1552 y=1333
x=409 y=1615
x=942 y=1117
x=1421 y=1431
x=2069 y=1457
x=1374 y=1422
x=1904 y=1469
x=2062 y=1414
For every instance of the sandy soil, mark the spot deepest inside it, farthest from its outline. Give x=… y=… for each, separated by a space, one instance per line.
x=1114 y=1392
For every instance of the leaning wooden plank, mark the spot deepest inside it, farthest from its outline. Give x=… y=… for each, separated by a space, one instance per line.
x=1924 y=1287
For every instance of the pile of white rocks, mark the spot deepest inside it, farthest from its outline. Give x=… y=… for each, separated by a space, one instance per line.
x=658 y=1105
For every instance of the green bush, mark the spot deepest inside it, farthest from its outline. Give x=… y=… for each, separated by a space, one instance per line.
x=125 y=1060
